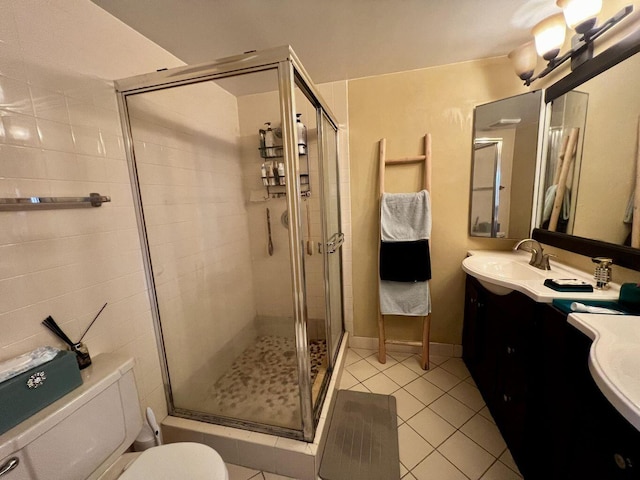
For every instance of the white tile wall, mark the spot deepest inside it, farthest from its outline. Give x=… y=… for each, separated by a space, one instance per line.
x=273 y=298
x=60 y=135
x=190 y=177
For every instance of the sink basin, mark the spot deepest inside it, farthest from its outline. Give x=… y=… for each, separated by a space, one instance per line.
x=506 y=268
x=503 y=272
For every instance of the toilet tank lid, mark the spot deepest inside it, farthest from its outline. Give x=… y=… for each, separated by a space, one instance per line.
x=105 y=370
x=194 y=461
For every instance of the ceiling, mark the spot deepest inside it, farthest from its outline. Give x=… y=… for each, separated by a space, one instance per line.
x=337 y=39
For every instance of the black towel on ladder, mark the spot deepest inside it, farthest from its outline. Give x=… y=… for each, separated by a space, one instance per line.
x=405 y=261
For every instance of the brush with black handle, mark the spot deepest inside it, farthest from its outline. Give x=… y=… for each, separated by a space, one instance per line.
x=51 y=324
x=82 y=354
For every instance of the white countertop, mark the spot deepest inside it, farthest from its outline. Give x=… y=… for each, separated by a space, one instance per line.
x=502 y=272
x=614 y=359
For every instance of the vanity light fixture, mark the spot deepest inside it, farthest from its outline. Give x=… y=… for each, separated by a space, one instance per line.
x=549 y=36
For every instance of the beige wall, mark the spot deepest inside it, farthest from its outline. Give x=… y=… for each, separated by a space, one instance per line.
x=609 y=153
x=403 y=107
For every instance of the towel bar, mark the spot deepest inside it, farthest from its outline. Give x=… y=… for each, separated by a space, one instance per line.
x=40 y=203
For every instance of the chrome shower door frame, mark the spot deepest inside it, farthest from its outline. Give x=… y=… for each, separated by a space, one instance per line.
x=479 y=144
x=291 y=73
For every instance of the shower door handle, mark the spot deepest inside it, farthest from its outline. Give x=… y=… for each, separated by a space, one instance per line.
x=335 y=242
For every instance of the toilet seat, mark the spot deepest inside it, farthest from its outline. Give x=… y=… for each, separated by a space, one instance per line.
x=188 y=461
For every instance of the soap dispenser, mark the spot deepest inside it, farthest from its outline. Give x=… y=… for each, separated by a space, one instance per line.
x=302 y=135
x=269 y=142
x=602 y=273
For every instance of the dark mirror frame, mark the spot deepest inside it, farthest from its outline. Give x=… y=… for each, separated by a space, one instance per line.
x=621 y=255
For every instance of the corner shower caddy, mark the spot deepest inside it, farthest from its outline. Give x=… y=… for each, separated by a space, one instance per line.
x=276 y=182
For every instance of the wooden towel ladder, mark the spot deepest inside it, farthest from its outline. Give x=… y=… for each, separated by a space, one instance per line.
x=426 y=183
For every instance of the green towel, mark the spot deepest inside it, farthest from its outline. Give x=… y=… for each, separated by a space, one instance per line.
x=630 y=296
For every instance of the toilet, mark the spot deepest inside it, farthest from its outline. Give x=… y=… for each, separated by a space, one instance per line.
x=86 y=435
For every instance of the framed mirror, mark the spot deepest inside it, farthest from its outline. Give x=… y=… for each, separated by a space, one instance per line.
x=593 y=202
x=504 y=161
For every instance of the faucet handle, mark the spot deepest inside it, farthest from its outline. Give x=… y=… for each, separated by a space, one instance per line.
x=545 y=260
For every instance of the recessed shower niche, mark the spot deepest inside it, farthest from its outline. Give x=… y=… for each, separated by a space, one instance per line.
x=248 y=311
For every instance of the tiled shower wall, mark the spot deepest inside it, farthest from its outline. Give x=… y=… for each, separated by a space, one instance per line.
x=187 y=154
x=60 y=136
x=272 y=274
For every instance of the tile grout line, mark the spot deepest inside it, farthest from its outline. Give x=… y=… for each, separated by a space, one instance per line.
x=445 y=392
x=448 y=461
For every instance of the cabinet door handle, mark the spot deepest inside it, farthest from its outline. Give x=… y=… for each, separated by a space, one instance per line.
x=506 y=398
x=622 y=462
x=472 y=301
x=511 y=350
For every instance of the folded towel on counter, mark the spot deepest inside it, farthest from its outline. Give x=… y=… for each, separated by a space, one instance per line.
x=405 y=216
x=403 y=298
x=405 y=261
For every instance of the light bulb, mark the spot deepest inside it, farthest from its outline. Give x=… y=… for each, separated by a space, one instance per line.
x=549 y=36
x=581 y=15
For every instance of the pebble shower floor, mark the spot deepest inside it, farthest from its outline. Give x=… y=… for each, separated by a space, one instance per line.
x=262 y=383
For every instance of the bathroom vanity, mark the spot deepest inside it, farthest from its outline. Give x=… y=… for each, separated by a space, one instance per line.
x=533 y=370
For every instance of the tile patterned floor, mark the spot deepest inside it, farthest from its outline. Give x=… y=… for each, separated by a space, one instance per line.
x=445 y=431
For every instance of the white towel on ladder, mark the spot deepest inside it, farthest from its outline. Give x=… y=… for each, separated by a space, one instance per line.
x=405 y=298
x=405 y=216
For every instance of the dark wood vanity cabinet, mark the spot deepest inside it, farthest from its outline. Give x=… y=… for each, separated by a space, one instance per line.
x=531 y=367
x=600 y=442
x=498 y=350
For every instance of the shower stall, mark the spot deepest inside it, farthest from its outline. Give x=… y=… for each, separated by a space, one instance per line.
x=234 y=169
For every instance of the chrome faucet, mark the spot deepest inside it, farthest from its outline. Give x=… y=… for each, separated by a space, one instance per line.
x=539 y=259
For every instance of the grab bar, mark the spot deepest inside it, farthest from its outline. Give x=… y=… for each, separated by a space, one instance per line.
x=30 y=203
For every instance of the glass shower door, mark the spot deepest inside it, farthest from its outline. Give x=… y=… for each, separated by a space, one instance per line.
x=333 y=233
x=219 y=254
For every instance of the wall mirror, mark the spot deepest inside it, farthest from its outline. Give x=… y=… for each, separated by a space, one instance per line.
x=504 y=159
x=589 y=177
